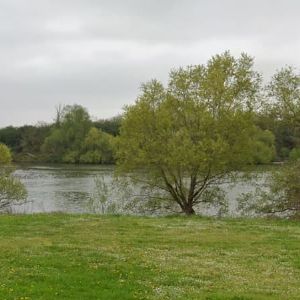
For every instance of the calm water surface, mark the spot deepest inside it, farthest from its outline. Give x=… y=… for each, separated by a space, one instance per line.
x=59 y=188
x=69 y=188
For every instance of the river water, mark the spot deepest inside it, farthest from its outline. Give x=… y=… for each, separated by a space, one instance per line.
x=69 y=188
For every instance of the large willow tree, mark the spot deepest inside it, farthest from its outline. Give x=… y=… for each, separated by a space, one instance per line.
x=186 y=137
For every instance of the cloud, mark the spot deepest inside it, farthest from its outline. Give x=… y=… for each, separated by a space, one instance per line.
x=97 y=53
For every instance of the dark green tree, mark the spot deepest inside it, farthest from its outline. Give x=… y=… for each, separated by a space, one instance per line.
x=65 y=140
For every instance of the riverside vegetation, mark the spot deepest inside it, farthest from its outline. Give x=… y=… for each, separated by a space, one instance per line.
x=182 y=141
x=214 y=120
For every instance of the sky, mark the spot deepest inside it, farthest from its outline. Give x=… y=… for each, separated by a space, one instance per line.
x=96 y=53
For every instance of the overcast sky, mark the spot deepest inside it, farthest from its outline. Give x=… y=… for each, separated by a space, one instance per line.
x=97 y=53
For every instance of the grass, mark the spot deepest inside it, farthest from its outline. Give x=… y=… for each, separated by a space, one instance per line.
x=90 y=257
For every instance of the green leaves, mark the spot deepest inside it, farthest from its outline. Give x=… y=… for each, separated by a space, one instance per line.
x=199 y=127
x=97 y=147
x=11 y=189
x=5 y=156
x=74 y=140
x=64 y=142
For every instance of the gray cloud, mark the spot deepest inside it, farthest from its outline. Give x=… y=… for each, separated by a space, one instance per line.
x=97 y=53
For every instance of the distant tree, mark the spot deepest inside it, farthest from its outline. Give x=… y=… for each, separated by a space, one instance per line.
x=111 y=126
x=59 y=109
x=54 y=146
x=185 y=138
x=282 y=191
x=284 y=93
x=12 y=191
x=32 y=138
x=65 y=140
x=97 y=147
x=283 y=109
x=11 y=136
x=25 y=142
x=264 y=147
x=284 y=184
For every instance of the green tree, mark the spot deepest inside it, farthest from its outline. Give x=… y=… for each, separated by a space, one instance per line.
x=111 y=126
x=284 y=94
x=97 y=147
x=5 y=155
x=283 y=109
x=54 y=146
x=282 y=191
x=65 y=140
x=12 y=191
x=187 y=137
x=11 y=136
x=264 y=149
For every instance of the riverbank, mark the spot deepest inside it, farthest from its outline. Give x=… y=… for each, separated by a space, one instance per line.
x=62 y=256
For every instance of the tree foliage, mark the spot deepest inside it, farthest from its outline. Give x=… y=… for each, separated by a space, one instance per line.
x=97 y=147
x=264 y=149
x=281 y=111
x=282 y=114
x=198 y=130
x=73 y=139
x=64 y=142
x=12 y=191
x=284 y=92
x=11 y=137
x=5 y=155
x=110 y=126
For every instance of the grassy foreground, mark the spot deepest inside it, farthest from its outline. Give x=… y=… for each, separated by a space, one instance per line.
x=90 y=257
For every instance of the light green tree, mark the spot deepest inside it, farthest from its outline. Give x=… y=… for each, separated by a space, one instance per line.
x=12 y=191
x=97 y=147
x=294 y=155
x=187 y=137
x=264 y=147
x=5 y=155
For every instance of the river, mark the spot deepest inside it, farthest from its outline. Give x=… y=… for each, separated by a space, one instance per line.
x=70 y=188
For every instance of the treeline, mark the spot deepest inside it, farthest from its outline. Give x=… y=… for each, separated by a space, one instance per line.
x=75 y=138
x=72 y=138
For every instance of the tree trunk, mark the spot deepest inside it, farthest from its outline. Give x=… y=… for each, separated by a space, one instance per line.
x=188 y=210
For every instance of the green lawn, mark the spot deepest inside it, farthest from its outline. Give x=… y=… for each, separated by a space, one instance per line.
x=91 y=257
